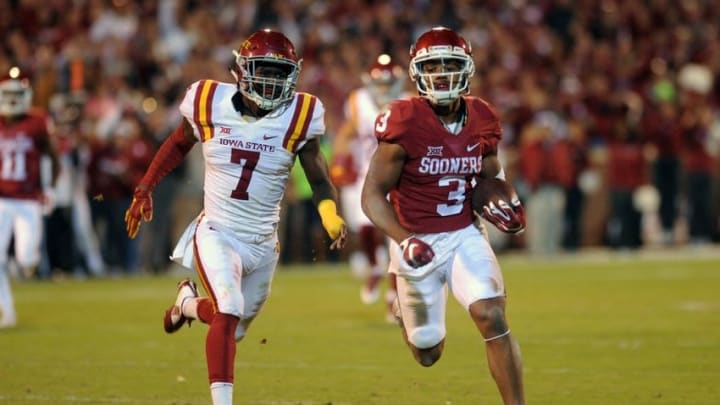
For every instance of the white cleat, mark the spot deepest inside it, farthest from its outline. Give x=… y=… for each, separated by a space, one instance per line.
x=174 y=318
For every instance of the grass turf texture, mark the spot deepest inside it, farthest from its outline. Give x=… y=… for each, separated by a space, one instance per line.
x=631 y=331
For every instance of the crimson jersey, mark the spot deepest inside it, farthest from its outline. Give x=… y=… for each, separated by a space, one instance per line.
x=20 y=156
x=433 y=192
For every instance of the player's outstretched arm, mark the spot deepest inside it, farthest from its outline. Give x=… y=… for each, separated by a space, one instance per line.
x=169 y=156
x=324 y=193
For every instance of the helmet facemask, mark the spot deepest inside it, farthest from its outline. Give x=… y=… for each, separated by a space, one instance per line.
x=15 y=97
x=268 y=81
x=442 y=76
x=384 y=80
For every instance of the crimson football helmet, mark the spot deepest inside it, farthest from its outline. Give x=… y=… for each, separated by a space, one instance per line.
x=450 y=55
x=384 y=79
x=267 y=68
x=15 y=93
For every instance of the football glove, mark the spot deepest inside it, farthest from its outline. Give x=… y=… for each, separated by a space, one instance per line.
x=141 y=209
x=416 y=253
x=332 y=222
x=509 y=218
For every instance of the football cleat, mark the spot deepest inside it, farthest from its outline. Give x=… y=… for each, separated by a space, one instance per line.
x=174 y=318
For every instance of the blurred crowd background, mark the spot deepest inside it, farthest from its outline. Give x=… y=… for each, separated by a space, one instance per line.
x=610 y=108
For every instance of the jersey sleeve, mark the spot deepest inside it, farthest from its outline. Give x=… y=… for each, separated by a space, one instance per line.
x=195 y=107
x=391 y=122
x=492 y=130
x=317 y=121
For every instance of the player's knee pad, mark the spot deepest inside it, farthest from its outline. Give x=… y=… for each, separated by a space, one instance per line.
x=424 y=337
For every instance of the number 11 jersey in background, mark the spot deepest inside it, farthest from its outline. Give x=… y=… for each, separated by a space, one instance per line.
x=20 y=156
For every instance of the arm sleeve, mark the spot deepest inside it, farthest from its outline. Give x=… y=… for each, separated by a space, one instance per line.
x=171 y=153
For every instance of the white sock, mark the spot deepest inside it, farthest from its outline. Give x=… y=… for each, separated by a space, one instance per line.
x=189 y=308
x=7 y=309
x=221 y=393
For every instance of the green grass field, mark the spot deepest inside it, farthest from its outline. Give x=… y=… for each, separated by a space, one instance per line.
x=592 y=331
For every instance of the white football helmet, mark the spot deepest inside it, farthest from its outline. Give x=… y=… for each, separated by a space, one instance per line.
x=15 y=93
x=384 y=80
x=446 y=48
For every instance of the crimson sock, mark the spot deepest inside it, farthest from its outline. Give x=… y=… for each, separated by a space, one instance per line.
x=220 y=348
x=205 y=310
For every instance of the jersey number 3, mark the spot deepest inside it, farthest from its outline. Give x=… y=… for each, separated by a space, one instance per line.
x=248 y=160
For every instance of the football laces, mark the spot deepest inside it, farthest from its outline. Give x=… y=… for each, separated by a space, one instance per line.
x=499 y=210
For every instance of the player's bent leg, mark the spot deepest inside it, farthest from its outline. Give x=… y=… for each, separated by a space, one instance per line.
x=255 y=291
x=428 y=357
x=422 y=313
x=174 y=317
x=502 y=350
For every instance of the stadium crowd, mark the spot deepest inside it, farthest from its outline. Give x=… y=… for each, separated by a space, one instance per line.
x=611 y=109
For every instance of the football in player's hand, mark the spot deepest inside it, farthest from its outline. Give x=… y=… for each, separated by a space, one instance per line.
x=497 y=202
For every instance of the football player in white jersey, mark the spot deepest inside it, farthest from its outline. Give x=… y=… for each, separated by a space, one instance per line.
x=24 y=185
x=353 y=147
x=250 y=132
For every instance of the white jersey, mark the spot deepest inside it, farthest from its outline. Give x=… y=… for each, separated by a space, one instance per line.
x=248 y=160
x=362 y=110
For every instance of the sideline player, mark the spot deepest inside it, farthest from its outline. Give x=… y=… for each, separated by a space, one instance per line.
x=353 y=147
x=430 y=149
x=24 y=141
x=250 y=132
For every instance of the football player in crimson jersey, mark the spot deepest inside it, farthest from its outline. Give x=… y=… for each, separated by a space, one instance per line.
x=353 y=146
x=24 y=140
x=250 y=131
x=429 y=150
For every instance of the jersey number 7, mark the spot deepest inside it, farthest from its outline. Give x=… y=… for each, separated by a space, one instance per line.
x=248 y=160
